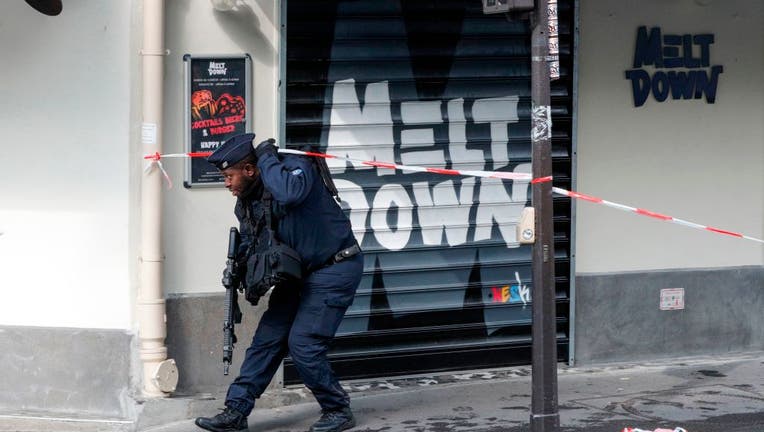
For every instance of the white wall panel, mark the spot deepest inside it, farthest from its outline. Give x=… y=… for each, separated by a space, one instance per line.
x=685 y=158
x=64 y=118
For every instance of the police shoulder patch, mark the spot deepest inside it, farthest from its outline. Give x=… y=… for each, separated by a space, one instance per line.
x=297 y=171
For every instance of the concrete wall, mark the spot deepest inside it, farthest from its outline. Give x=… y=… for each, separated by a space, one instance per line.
x=686 y=158
x=83 y=372
x=195 y=341
x=622 y=321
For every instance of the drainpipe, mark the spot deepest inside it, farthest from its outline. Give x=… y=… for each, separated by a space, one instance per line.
x=159 y=374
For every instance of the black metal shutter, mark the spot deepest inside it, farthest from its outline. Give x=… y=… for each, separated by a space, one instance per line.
x=440 y=84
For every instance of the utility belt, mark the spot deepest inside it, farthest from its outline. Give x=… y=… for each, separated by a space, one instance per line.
x=281 y=264
x=275 y=265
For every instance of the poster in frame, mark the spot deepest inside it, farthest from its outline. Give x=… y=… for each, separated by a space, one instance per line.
x=217 y=106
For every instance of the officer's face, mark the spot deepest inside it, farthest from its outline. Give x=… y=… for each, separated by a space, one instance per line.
x=240 y=180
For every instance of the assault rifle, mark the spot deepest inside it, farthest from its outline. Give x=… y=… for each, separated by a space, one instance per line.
x=231 y=282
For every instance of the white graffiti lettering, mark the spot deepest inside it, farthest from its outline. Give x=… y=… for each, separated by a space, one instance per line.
x=364 y=133
x=450 y=214
x=521 y=291
x=443 y=208
x=498 y=205
x=392 y=234
x=414 y=142
x=499 y=112
x=355 y=199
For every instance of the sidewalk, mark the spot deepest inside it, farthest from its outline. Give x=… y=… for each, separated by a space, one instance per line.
x=699 y=394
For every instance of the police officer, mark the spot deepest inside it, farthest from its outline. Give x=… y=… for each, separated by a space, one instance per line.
x=302 y=318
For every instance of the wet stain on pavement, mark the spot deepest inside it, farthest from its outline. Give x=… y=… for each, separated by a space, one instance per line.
x=711 y=373
x=662 y=402
x=571 y=407
x=598 y=417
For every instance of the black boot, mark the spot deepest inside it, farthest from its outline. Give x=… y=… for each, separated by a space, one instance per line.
x=229 y=420
x=334 y=421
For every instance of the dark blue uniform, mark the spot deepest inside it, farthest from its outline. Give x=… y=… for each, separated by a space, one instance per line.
x=301 y=319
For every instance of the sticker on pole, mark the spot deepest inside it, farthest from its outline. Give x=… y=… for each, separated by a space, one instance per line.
x=672 y=299
x=148 y=133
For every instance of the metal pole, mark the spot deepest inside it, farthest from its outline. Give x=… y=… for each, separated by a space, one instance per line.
x=545 y=416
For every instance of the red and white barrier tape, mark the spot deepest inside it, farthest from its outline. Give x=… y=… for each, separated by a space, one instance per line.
x=160 y=166
x=393 y=166
x=156 y=158
x=651 y=214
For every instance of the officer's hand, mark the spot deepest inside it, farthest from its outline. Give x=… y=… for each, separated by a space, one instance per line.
x=266 y=147
x=228 y=278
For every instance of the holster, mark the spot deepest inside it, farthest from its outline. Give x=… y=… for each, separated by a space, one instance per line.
x=273 y=266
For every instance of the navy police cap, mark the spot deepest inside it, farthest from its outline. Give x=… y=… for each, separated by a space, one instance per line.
x=233 y=150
